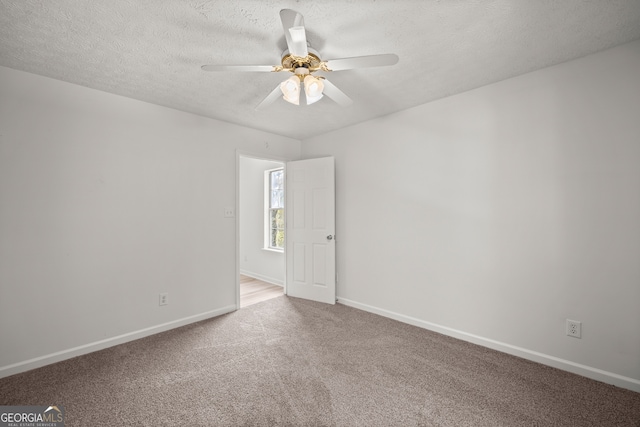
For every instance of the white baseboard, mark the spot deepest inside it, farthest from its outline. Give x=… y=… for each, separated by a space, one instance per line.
x=263 y=278
x=59 y=356
x=545 y=359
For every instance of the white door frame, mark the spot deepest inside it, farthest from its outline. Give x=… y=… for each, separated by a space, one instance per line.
x=259 y=156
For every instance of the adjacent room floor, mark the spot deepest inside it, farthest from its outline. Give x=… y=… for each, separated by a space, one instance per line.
x=253 y=291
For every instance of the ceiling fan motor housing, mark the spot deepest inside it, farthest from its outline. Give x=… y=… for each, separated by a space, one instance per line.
x=302 y=65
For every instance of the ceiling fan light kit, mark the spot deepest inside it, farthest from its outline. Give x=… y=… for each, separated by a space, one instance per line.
x=302 y=61
x=312 y=87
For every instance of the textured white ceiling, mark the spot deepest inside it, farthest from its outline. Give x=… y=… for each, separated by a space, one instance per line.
x=152 y=50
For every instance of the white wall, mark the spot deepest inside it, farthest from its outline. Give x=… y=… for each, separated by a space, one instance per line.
x=255 y=261
x=496 y=214
x=104 y=203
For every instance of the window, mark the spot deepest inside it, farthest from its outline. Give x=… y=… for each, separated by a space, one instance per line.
x=274 y=180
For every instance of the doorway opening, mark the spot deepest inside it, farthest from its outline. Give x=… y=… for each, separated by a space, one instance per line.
x=261 y=256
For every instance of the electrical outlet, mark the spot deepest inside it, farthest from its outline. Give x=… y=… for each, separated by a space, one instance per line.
x=164 y=298
x=574 y=328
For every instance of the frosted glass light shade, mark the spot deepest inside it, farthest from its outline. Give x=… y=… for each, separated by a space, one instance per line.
x=291 y=90
x=313 y=87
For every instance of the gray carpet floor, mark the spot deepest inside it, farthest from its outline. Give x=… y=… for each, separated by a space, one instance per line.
x=290 y=362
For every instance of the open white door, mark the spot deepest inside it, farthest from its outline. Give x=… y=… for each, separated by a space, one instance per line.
x=310 y=230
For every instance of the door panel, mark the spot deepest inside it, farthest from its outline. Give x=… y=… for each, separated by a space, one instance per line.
x=299 y=262
x=310 y=219
x=297 y=216
x=320 y=265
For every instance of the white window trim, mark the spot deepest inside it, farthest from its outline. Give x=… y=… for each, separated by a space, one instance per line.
x=267 y=225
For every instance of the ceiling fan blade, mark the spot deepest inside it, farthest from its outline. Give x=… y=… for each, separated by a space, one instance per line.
x=362 y=62
x=336 y=94
x=257 y=68
x=294 y=32
x=275 y=94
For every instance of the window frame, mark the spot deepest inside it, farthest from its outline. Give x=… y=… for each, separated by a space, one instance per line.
x=268 y=209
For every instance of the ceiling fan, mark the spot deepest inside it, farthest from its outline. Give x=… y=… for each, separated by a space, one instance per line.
x=302 y=61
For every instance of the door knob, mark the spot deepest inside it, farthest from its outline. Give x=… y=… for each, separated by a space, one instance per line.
x=329 y=237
